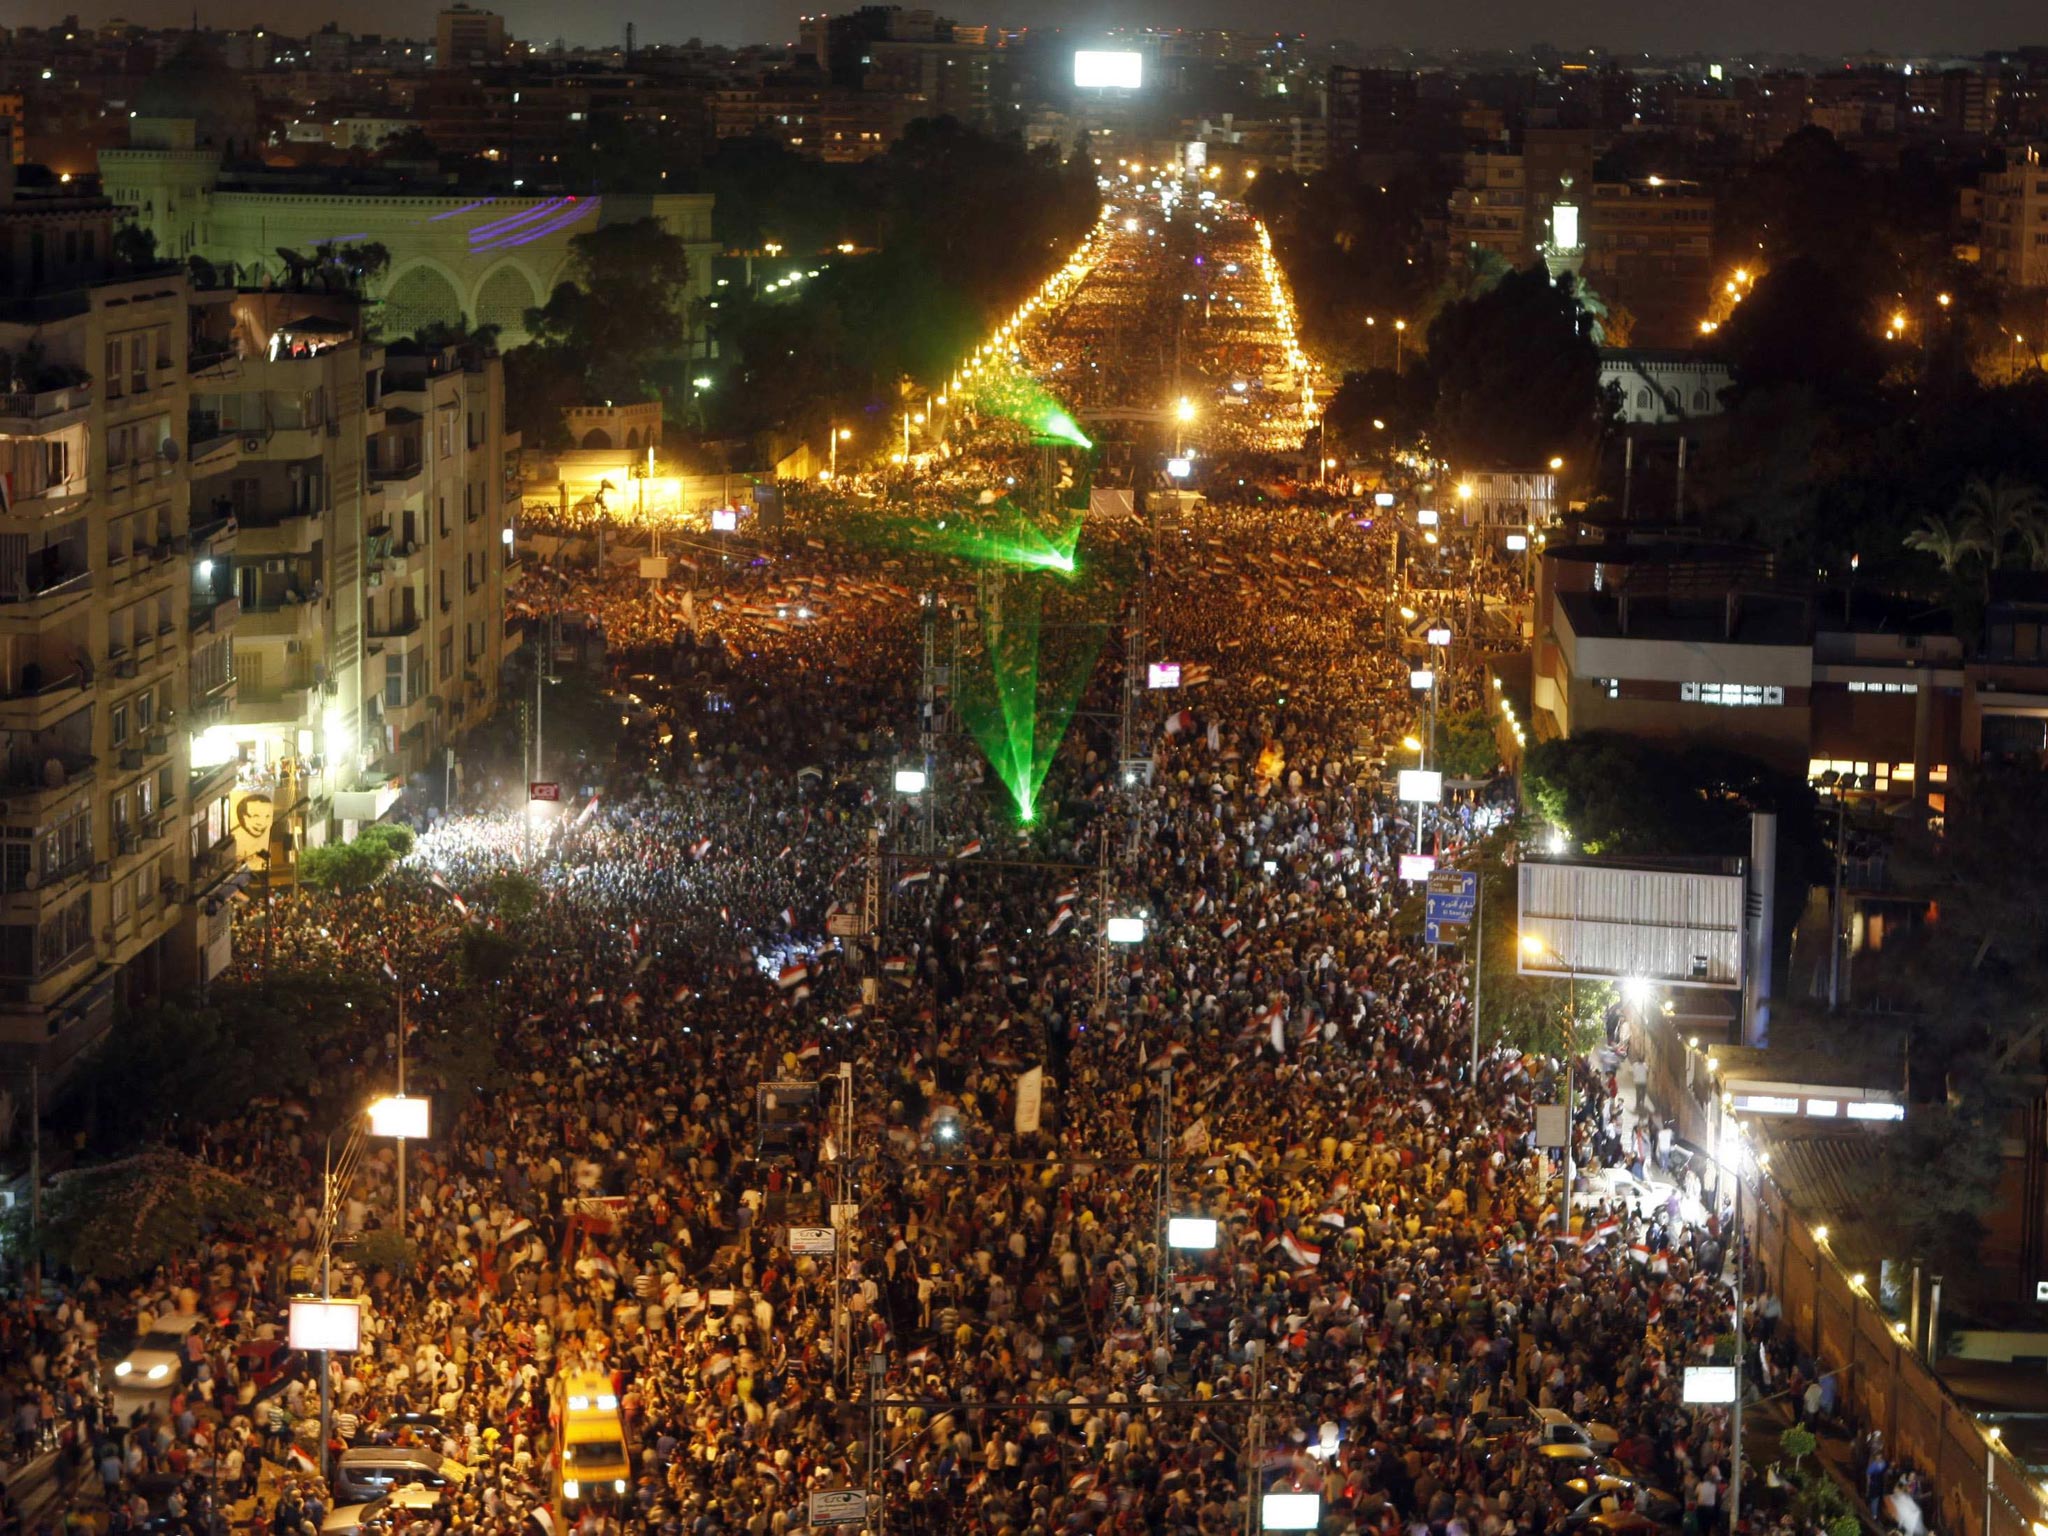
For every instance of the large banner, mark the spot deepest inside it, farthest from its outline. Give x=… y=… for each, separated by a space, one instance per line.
x=1030 y=1096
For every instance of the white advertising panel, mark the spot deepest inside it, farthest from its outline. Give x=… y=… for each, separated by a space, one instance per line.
x=1291 y=1511
x=1162 y=674
x=1096 y=71
x=1676 y=927
x=1710 y=1384
x=1421 y=786
x=318 y=1323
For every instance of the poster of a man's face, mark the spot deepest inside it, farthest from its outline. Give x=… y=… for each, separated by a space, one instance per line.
x=252 y=812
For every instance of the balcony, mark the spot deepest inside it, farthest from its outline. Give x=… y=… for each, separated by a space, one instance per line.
x=52 y=501
x=46 y=583
x=215 y=864
x=398 y=632
x=31 y=412
x=40 y=889
x=36 y=705
x=288 y=531
x=203 y=784
x=33 y=781
x=213 y=539
x=279 y=621
x=215 y=616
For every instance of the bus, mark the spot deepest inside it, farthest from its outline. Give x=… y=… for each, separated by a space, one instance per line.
x=592 y=1465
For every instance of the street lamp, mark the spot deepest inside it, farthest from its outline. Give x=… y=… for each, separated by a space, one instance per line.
x=839 y=435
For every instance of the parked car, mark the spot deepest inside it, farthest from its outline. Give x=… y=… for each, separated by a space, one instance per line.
x=351 y=1518
x=362 y=1473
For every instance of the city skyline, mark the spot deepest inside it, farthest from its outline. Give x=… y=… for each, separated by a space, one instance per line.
x=1748 y=26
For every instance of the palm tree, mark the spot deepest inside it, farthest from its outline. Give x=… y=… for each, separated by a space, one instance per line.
x=2004 y=512
x=1950 y=540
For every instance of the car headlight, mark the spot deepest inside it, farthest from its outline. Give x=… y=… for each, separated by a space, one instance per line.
x=159 y=1372
x=572 y=1489
x=619 y=1485
x=123 y=1368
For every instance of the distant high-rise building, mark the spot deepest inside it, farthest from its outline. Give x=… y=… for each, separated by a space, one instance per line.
x=1368 y=108
x=2014 y=221
x=465 y=37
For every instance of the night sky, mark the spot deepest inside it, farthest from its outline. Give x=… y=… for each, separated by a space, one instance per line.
x=1821 y=26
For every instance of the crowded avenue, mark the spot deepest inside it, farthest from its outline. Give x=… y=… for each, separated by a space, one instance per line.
x=833 y=1152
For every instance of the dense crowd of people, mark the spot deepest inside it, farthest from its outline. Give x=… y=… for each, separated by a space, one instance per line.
x=1004 y=1342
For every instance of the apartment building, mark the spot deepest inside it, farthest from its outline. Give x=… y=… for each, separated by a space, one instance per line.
x=436 y=556
x=113 y=647
x=2014 y=221
x=252 y=577
x=1649 y=248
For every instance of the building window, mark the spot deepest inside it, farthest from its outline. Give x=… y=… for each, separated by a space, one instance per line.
x=1731 y=694
x=1611 y=686
x=1884 y=687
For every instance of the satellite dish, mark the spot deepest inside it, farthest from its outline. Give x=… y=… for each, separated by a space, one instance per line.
x=167 y=450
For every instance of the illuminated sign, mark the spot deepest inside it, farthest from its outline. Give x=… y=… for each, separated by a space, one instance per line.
x=317 y=1323
x=1162 y=674
x=1095 y=71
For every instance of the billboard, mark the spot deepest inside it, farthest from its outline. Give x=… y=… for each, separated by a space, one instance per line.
x=1617 y=923
x=1094 y=71
x=1162 y=674
x=318 y=1322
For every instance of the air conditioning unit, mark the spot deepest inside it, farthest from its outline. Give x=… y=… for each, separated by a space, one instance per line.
x=274 y=567
x=124 y=666
x=131 y=759
x=156 y=744
x=293 y=647
x=102 y=873
x=126 y=842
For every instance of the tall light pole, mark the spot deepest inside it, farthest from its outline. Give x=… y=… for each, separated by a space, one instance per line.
x=839 y=435
x=1183 y=414
x=1400 y=331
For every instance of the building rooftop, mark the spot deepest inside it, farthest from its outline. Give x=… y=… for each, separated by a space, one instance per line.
x=1723 y=616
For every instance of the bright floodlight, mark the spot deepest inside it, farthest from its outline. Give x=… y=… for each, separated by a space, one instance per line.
x=1291 y=1511
x=1426 y=517
x=1421 y=678
x=1185 y=410
x=1126 y=930
x=314 y=1322
x=1196 y=1233
x=910 y=781
x=1094 y=71
x=1440 y=635
x=405 y=1118
x=1419 y=786
x=1517 y=542
x=1383 y=498
x=1179 y=468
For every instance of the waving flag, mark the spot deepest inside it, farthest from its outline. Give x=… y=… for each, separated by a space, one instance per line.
x=897 y=965
x=912 y=877
x=1067 y=897
x=971 y=848
x=792 y=975
x=700 y=848
x=1064 y=916
x=448 y=890
x=1303 y=1253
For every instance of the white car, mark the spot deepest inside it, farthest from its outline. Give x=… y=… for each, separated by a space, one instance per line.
x=146 y=1376
x=351 y=1518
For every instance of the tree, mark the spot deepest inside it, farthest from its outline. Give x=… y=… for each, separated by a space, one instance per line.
x=120 y=1220
x=2003 y=517
x=1379 y=410
x=1805 y=322
x=1517 y=374
x=622 y=310
x=512 y=895
x=134 y=247
x=357 y=865
x=1465 y=745
x=1949 y=539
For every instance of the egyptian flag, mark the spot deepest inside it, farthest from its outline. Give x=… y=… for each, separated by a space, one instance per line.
x=682 y=993
x=1639 y=1253
x=1603 y=1231
x=1172 y=1056
x=1067 y=897
x=1201 y=903
x=448 y=890
x=793 y=975
x=1064 y=916
x=971 y=848
x=700 y=848
x=1231 y=925
x=897 y=965
x=1303 y=1253
x=596 y=996
x=912 y=877
x=919 y=1357
x=1333 y=1217
x=810 y=1052
x=384 y=965
x=789 y=917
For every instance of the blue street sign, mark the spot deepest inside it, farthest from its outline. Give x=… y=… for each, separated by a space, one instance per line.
x=1453 y=898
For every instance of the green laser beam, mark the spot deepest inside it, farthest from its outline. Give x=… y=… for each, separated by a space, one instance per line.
x=1018 y=702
